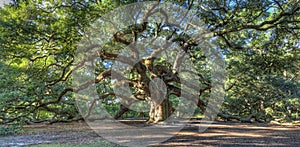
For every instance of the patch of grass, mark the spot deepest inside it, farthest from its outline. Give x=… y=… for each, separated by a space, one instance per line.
x=198 y=116
x=13 y=129
x=94 y=144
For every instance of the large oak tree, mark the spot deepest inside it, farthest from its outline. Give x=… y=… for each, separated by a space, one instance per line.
x=260 y=40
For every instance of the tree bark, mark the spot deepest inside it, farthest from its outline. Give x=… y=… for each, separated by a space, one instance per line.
x=159 y=112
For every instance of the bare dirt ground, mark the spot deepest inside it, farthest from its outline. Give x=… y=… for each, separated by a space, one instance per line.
x=218 y=134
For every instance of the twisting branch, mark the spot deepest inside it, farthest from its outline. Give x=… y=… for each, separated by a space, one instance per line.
x=101 y=76
x=273 y=23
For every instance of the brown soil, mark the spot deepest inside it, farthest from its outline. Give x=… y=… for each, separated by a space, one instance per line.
x=218 y=134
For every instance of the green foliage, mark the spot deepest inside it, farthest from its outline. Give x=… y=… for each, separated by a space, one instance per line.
x=37 y=48
x=12 y=129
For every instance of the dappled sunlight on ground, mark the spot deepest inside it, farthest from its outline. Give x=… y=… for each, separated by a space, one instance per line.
x=219 y=133
x=237 y=134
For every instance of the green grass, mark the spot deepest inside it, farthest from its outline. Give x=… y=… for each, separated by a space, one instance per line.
x=94 y=144
x=11 y=130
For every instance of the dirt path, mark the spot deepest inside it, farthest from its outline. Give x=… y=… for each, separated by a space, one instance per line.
x=218 y=134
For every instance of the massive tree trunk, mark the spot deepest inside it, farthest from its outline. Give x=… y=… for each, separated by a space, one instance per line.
x=161 y=107
x=159 y=111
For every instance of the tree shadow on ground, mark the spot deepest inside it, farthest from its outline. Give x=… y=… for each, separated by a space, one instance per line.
x=218 y=134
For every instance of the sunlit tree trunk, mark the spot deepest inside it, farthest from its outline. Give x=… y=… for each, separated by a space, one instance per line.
x=159 y=111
